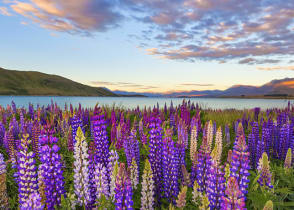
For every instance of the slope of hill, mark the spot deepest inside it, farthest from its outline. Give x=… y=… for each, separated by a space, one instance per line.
x=37 y=83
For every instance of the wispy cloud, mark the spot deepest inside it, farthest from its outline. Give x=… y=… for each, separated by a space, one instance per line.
x=122 y=85
x=4 y=11
x=260 y=61
x=73 y=16
x=290 y=68
x=195 y=84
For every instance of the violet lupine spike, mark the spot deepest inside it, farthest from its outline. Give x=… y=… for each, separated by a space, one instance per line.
x=2 y=133
x=75 y=123
x=33 y=202
x=233 y=198
x=155 y=155
x=101 y=142
x=92 y=185
x=81 y=171
x=259 y=150
x=204 y=162
x=36 y=131
x=240 y=164
x=101 y=181
x=52 y=171
x=284 y=141
x=264 y=171
x=123 y=190
x=131 y=147
x=113 y=133
x=26 y=173
x=170 y=166
x=216 y=185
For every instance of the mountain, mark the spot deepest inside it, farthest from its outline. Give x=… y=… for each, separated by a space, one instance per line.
x=283 y=87
x=36 y=83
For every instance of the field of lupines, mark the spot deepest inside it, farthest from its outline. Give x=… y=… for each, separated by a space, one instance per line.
x=180 y=157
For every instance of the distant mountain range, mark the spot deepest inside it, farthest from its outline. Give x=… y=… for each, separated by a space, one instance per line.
x=37 y=83
x=275 y=88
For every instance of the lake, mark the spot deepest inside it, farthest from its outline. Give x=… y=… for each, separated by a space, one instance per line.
x=132 y=102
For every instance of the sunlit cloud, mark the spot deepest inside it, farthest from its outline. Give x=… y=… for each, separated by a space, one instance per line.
x=195 y=84
x=122 y=85
x=290 y=68
x=4 y=11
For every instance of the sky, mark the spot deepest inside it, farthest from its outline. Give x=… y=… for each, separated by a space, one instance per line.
x=151 y=45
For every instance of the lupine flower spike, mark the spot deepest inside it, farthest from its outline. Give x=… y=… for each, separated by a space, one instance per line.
x=288 y=160
x=3 y=193
x=147 y=199
x=264 y=171
x=181 y=201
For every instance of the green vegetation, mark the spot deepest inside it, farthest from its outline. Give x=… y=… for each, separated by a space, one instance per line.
x=37 y=83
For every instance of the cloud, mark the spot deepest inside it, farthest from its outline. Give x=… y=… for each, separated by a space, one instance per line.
x=260 y=61
x=195 y=84
x=220 y=30
x=122 y=85
x=72 y=16
x=4 y=11
x=290 y=68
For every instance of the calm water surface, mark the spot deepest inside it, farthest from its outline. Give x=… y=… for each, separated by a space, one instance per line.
x=130 y=102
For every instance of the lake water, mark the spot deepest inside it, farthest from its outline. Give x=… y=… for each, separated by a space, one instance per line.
x=132 y=102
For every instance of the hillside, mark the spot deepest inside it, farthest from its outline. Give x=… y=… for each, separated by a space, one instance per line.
x=36 y=83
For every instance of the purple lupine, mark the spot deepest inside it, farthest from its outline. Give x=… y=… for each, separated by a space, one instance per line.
x=99 y=133
x=123 y=190
x=51 y=167
x=240 y=164
x=75 y=123
x=2 y=133
x=155 y=155
x=92 y=185
x=264 y=171
x=101 y=181
x=36 y=131
x=33 y=202
x=233 y=198
x=26 y=171
x=131 y=148
x=256 y=113
x=284 y=141
x=170 y=165
x=203 y=165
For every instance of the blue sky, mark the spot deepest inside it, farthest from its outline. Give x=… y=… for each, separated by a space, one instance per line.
x=151 y=45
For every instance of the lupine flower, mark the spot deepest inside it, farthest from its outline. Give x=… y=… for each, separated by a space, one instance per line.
x=170 y=165
x=26 y=174
x=233 y=198
x=264 y=170
x=81 y=171
x=240 y=164
x=155 y=155
x=123 y=190
x=268 y=205
x=113 y=180
x=41 y=185
x=33 y=202
x=181 y=201
x=76 y=122
x=218 y=145
x=147 y=199
x=204 y=202
x=92 y=168
x=3 y=192
x=193 y=145
x=101 y=181
x=52 y=171
x=131 y=147
x=209 y=136
x=186 y=176
x=288 y=159
x=203 y=165
x=36 y=131
x=70 y=143
x=196 y=194
x=134 y=174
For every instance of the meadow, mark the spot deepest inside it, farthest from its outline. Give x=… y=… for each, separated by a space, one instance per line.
x=175 y=157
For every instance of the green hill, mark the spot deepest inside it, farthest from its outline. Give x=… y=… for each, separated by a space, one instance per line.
x=37 y=83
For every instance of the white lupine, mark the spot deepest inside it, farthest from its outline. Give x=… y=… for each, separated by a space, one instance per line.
x=147 y=198
x=81 y=170
x=113 y=179
x=101 y=181
x=209 y=133
x=219 y=143
x=134 y=174
x=193 y=145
